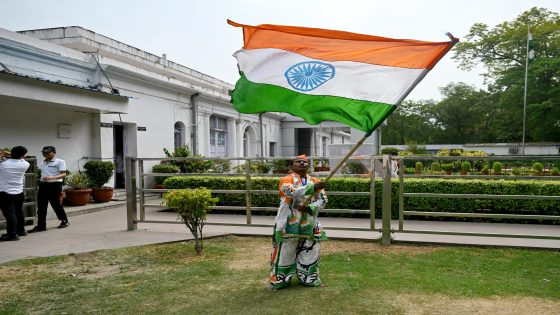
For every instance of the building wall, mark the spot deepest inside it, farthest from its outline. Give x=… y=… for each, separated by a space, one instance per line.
x=30 y=125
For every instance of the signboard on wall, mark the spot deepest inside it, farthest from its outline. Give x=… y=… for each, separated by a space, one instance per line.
x=64 y=131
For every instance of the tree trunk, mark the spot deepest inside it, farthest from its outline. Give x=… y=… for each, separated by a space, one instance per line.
x=197 y=242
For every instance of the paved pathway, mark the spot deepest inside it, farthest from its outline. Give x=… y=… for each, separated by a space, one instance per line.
x=103 y=226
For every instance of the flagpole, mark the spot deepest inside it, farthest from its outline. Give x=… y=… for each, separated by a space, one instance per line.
x=339 y=165
x=525 y=93
x=354 y=148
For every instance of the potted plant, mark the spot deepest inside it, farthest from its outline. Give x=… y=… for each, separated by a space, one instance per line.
x=538 y=168
x=418 y=167
x=447 y=168
x=465 y=167
x=497 y=168
x=281 y=166
x=321 y=165
x=78 y=194
x=99 y=173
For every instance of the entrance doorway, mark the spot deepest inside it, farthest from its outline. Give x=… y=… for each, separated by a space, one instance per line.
x=118 y=156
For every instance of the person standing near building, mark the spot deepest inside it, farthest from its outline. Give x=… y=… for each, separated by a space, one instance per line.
x=297 y=230
x=12 y=172
x=53 y=171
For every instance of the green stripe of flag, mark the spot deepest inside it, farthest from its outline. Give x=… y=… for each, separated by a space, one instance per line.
x=251 y=98
x=530 y=48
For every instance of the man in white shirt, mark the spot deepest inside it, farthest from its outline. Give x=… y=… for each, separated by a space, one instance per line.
x=12 y=172
x=53 y=171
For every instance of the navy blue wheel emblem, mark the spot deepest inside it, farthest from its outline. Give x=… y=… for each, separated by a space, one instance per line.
x=309 y=75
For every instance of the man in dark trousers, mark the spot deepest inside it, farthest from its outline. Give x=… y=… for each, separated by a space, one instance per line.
x=12 y=171
x=53 y=171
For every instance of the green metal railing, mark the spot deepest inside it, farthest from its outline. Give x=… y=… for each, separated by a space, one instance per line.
x=136 y=208
x=403 y=195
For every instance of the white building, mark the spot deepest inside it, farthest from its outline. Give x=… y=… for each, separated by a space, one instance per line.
x=93 y=97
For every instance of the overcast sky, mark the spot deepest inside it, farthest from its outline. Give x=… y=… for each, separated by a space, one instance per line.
x=194 y=33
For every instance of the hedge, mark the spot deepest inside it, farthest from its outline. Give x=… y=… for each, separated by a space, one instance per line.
x=440 y=186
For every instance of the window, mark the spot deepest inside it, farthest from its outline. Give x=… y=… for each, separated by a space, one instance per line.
x=272 y=149
x=218 y=136
x=513 y=150
x=179 y=134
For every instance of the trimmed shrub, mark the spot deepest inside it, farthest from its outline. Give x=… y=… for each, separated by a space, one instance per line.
x=520 y=171
x=390 y=150
x=418 y=167
x=447 y=168
x=538 y=168
x=465 y=167
x=189 y=166
x=497 y=168
x=164 y=168
x=191 y=206
x=411 y=185
x=99 y=172
x=436 y=167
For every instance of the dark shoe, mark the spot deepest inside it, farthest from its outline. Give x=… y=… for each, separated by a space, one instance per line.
x=22 y=233
x=37 y=229
x=63 y=224
x=11 y=237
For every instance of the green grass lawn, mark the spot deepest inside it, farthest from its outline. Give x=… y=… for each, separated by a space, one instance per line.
x=232 y=278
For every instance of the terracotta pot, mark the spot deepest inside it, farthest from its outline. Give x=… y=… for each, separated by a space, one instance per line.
x=103 y=194
x=77 y=197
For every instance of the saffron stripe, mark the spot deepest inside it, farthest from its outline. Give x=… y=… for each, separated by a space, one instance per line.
x=332 y=45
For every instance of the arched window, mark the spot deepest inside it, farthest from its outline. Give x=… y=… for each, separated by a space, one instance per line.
x=250 y=145
x=179 y=134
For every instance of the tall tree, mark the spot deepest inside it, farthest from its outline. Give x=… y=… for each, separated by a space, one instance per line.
x=462 y=116
x=409 y=123
x=502 y=51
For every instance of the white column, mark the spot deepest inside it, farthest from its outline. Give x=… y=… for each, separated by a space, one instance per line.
x=203 y=128
x=232 y=138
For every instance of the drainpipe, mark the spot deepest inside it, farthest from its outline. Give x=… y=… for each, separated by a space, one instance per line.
x=194 y=116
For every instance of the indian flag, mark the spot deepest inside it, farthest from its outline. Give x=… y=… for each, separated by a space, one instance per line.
x=319 y=74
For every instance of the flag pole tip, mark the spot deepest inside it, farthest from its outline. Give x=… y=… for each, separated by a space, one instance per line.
x=452 y=38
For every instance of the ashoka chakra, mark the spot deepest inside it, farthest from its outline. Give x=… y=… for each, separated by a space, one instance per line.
x=309 y=75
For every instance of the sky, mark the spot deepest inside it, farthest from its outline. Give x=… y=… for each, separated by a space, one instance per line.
x=194 y=33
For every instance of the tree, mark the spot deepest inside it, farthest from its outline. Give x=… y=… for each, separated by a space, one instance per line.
x=462 y=116
x=409 y=123
x=502 y=51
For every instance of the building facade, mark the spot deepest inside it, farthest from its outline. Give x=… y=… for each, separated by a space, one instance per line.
x=94 y=97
